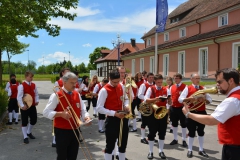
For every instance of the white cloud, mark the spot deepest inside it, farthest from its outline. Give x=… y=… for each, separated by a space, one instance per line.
x=83 y=12
x=137 y=22
x=42 y=42
x=60 y=44
x=87 y=45
x=59 y=57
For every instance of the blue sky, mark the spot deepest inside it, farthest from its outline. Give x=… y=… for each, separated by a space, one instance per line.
x=98 y=23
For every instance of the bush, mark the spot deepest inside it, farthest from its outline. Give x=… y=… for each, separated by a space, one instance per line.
x=54 y=79
x=3 y=100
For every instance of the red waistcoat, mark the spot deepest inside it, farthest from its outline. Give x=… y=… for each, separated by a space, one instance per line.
x=74 y=100
x=192 y=90
x=139 y=83
x=134 y=92
x=228 y=132
x=175 y=93
x=60 y=82
x=91 y=88
x=114 y=98
x=14 y=90
x=29 y=89
x=157 y=93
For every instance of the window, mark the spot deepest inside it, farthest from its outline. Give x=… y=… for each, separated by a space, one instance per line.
x=203 y=61
x=149 y=42
x=182 y=32
x=166 y=36
x=165 y=64
x=141 y=64
x=235 y=55
x=223 y=20
x=133 y=67
x=181 y=63
x=152 y=64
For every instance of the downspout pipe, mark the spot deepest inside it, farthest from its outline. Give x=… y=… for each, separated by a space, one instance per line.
x=199 y=26
x=218 y=53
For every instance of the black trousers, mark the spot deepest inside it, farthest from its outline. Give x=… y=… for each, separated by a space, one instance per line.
x=101 y=116
x=13 y=105
x=112 y=130
x=66 y=144
x=94 y=102
x=194 y=126
x=89 y=101
x=133 y=105
x=230 y=152
x=31 y=113
x=157 y=125
x=176 y=114
x=145 y=120
x=138 y=103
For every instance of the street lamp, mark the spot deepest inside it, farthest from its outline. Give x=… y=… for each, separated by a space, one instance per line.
x=28 y=59
x=116 y=43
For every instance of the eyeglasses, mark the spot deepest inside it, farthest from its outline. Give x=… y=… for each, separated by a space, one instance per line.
x=220 y=81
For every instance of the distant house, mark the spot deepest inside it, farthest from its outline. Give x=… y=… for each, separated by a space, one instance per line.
x=109 y=58
x=201 y=36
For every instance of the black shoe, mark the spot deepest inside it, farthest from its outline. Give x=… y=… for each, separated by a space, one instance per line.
x=9 y=123
x=144 y=141
x=203 y=153
x=26 y=141
x=162 y=155
x=112 y=157
x=133 y=130
x=174 y=142
x=138 y=120
x=150 y=156
x=16 y=122
x=31 y=136
x=117 y=157
x=101 y=131
x=184 y=144
x=189 y=154
x=94 y=115
x=171 y=131
x=53 y=144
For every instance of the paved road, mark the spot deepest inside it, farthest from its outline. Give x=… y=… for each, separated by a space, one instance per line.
x=13 y=148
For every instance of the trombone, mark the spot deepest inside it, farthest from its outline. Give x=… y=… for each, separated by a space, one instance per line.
x=76 y=120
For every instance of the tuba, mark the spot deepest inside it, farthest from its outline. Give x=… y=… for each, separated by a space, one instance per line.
x=200 y=93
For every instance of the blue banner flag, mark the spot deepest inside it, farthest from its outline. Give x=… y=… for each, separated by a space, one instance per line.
x=161 y=15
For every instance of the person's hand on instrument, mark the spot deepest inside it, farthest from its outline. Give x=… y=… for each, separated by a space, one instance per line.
x=66 y=115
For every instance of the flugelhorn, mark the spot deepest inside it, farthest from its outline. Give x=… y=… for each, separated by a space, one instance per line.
x=76 y=120
x=200 y=93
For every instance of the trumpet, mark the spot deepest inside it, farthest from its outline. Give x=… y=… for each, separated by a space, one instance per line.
x=76 y=120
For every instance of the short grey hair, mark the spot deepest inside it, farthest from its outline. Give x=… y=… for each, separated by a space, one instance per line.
x=193 y=75
x=69 y=75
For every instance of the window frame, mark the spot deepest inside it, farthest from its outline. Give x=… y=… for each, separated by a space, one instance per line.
x=149 y=42
x=220 y=20
x=165 y=70
x=133 y=66
x=180 y=32
x=180 y=65
x=166 y=34
x=152 y=64
x=141 y=64
x=201 y=60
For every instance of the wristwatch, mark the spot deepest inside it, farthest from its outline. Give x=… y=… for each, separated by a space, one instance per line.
x=186 y=115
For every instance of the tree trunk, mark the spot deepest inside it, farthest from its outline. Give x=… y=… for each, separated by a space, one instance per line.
x=9 y=70
x=0 y=66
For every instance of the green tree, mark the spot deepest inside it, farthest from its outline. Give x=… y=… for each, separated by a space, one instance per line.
x=25 y=18
x=95 y=55
x=82 y=68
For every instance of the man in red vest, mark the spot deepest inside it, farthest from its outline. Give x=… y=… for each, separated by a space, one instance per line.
x=157 y=125
x=111 y=99
x=12 y=104
x=28 y=87
x=176 y=110
x=226 y=115
x=141 y=93
x=192 y=125
x=66 y=131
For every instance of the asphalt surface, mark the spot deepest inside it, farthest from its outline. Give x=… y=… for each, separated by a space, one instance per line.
x=13 y=148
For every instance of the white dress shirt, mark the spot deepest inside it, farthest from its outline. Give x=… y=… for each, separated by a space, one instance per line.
x=7 y=86
x=21 y=92
x=142 y=90
x=102 y=96
x=96 y=88
x=185 y=93
x=49 y=111
x=149 y=93
x=228 y=108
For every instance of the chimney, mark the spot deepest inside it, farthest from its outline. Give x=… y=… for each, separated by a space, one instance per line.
x=133 y=42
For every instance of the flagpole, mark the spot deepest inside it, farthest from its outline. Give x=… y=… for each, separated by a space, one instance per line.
x=156 y=54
